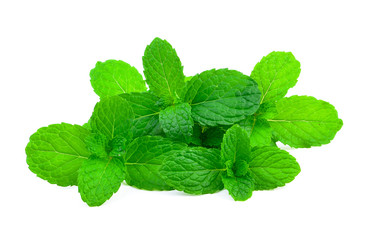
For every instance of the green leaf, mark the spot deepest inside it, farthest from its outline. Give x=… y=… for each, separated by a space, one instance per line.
x=240 y=188
x=272 y=167
x=221 y=97
x=146 y=110
x=259 y=130
x=266 y=110
x=235 y=151
x=163 y=70
x=97 y=144
x=196 y=136
x=99 y=178
x=212 y=137
x=143 y=160
x=114 y=77
x=275 y=74
x=111 y=117
x=118 y=146
x=304 y=121
x=193 y=170
x=55 y=153
x=177 y=122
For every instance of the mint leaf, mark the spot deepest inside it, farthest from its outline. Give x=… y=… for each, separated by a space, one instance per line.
x=114 y=77
x=177 y=122
x=99 y=178
x=146 y=111
x=266 y=111
x=304 y=121
x=275 y=74
x=240 y=188
x=212 y=136
x=235 y=151
x=55 y=153
x=111 y=117
x=272 y=167
x=163 y=70
x=97 y=144
x=196 y=136
x=118 y=146
x=144 y=158
x=259 y=130
x=193 y=170
x=221 y=97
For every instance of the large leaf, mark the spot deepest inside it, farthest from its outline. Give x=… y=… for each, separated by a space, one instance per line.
x=304 y=121
x=55 y=153
x=193 y=170
x=275 y=74
x=143 y=160
x=222 y=97
x=163 y=70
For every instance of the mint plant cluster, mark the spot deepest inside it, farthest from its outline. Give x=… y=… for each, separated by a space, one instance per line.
x=200 y=134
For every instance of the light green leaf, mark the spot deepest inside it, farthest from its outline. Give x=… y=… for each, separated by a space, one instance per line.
x=259 y=130
x=275 y=74
x=240 y=188
x=235 y=151
x=99 y=178
x=97 y=144
x=163 y=70
x=146 y=110
x=111 y=117
x=221 y=97
x=55 y=153
x=177 y=122
x=143 y=160
x=272 y=167
x=193 y=170
x=114 y=77
x=304 y=121
x=266 y=110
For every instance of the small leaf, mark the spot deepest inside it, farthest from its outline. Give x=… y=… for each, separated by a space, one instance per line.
x=177 y=122
x=275 y=74
x=99 y=178
x=114 y=77
x=240 y=188
x=235 y=151
x=111 y=117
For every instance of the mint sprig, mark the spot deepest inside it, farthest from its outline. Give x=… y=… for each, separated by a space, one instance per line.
x=217 y=129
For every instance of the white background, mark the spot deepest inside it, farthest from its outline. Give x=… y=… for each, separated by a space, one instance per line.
x=48 y=48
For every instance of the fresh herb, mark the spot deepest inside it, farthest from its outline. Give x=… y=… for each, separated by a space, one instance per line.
x=200 y=134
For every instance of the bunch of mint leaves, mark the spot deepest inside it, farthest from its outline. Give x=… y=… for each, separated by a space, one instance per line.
x=200 y=134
